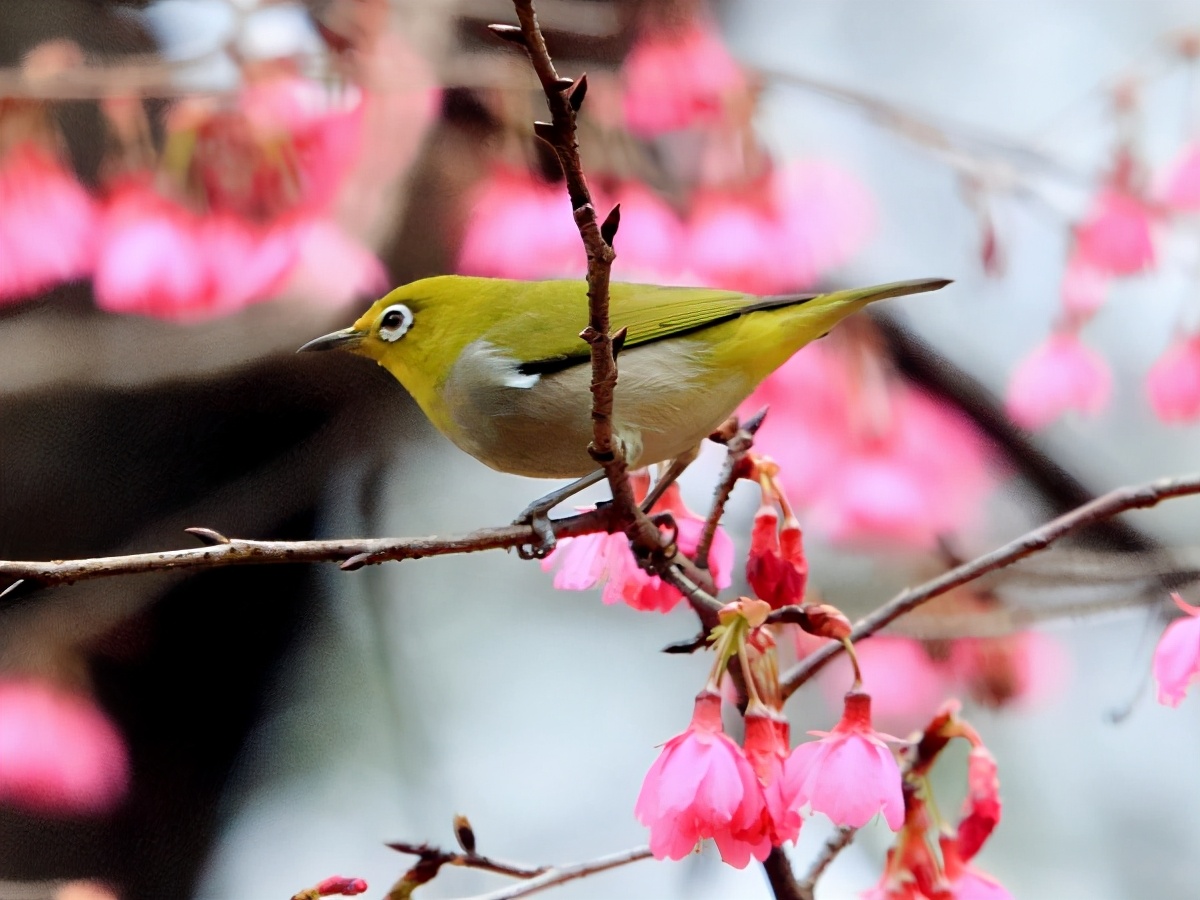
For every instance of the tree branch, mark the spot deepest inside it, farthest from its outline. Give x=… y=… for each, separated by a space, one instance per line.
x=835 y=845
x=781 y=877
x=562 y=874
x=1104 y=507
x=352 y=553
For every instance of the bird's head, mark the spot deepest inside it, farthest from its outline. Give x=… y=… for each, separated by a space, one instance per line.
x=416 y=332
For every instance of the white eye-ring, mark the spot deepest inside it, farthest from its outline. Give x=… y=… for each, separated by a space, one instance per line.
x=395 y=322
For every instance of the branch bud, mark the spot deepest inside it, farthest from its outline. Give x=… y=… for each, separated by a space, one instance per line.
x=510 y=33
x=548 y=133
x=608 y=230
x=464 y=834
x=577 y=91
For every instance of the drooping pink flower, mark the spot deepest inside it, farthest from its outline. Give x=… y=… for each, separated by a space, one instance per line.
x=520 y=228
x=1173 y=383
x=850 y=775
x=883 y=464
x=59 y=753
x=906 y=685
x=964 y=881
x=776 y=566
x=1084 y=288
x=767 y=746
x=247 y=262
x=337 y=886
x=332 y=266
x=911 y=871
x=47 y=224
x=1181 y=185
x=736 y=242
x=1024 y=667
x=151 y=257
x=1062 y=374
x=677 y=78
x=1177 y=656
x=650 y=241
x=1116 y=236
x=826 y=215
x=585 y=561
x=702 y=786
x=982 y=807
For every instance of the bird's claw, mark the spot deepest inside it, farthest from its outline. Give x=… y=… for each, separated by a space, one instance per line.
x=540 y=523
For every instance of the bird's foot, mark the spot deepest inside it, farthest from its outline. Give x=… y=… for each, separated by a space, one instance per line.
x=539 y=522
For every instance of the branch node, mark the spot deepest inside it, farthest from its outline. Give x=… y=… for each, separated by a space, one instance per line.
x=618 y=340
x=577 y=91
x=612 y=222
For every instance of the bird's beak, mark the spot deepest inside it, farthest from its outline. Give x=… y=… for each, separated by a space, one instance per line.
x=346 y=339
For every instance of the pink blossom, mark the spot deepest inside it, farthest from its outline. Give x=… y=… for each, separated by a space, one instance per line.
x=826 y=215
x=849 y=774
x=1084 y=288
x=47 y=224
x=1174 y=382
x=151 y=254
x=1181 y=186
x=981 y=808
x=736 y=242
x=520 y=228
x=1116 y=236
x=59 y=753
x=1060 y=375
x=906 y=685
x=650 y=241
x=333 y=266
x=1025 y=667
x=337 y=886
x=776 y=567
x=964 y=881
x=1177 y=656
x=766 y=746
x=585 y=561
x=247 y=262
x=677 y=78
x=701 y=786
x=883 y=463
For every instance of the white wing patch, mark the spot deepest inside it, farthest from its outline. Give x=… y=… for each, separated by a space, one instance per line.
x=517 y=380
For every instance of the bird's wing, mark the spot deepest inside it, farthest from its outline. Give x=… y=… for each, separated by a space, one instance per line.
x=647 y=312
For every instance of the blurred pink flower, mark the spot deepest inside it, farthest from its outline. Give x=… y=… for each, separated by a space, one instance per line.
x=247 y=262
x=1177 y=656
x=1084 y=288
x=520 y=228
x=1173 y=382
x=337 y=886
x=1022 y=668
x=332 y=266
x=776 y=567
x=650 y=241
x=850 y=775
x=585 y=561
x=882 y=463
x=701 y=786
x=906 y=685
x=1060 y=375
x=1181 y=185
x=736 y=242
x=766 y=746
x=47 y=224
x=60 y=755
x=151 y=257
x=826 y=215
x=677 y=78
x=1116 y=236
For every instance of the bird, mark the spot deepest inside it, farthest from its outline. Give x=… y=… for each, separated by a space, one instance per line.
x=499 y=368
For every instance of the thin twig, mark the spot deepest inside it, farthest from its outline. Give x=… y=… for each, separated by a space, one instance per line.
x=563 y=98
x=562 y=874
x=352 y=553
x=469 y=860
x=1104 y=507
x=835 y=845
x=737 y=447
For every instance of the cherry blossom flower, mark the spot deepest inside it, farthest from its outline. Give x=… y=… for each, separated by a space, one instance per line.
x=766 y=746
x=702 y=786
x=1084 y=288
x=1116 y=236
x=1181 y=185
x=981 y=808
x=776 y=567
x=1025 y=667
x=247 y=262
x=47 y=224
x=1177 y=656
x=1060 y=375
x=882 y=463
x=826 y=215
x=337 y=886
x=850 y=775
x=59 y=753
x=1173 y=383
x=675 y=78
x=332 y=266
x=520 y=228
x=585 y=561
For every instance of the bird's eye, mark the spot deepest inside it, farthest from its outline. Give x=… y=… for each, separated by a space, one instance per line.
x=396 y=321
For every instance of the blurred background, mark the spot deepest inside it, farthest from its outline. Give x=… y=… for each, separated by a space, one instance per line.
x=190 y=189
